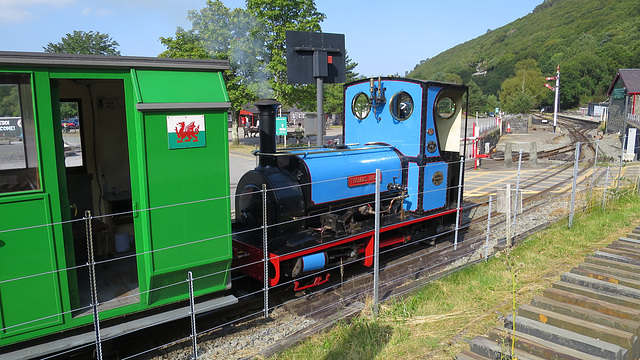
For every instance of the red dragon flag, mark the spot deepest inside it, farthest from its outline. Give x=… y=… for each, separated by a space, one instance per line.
x=186 y=131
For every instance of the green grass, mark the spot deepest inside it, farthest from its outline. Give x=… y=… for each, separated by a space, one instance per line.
x=433 y=322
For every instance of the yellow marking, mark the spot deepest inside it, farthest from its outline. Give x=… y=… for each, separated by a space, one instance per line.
x=543 y=319
x=493 y=183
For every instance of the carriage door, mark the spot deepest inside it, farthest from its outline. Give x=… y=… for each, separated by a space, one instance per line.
x=96 y=161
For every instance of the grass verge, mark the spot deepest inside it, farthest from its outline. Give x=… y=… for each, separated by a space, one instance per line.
x=433 y=322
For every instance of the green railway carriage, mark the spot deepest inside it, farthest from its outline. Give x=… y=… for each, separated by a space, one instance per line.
x=148 y=159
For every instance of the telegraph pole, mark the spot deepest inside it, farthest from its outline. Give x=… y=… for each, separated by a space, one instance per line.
x=557 y=97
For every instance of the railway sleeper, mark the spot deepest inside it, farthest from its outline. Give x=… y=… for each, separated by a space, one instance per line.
x=578 y=312
x=612 y=264
x=597 y=272
x=538 y=347
x=591 y=303
x=556 y=335
x=593 y=330
x=491 y=349
x=597 y=294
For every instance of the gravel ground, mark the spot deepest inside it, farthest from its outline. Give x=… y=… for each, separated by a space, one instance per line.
x=240 y=341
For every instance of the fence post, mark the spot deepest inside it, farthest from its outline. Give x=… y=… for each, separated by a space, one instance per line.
x=606 y=185
x=265 y=251
x=486 y=242
x=458 y=204
x=508 y=215
x=620 y=163
x=573 y=188
x=192 y=312
x=376 y=247
x=593 y=175
x=515 y=208
x=92 y=282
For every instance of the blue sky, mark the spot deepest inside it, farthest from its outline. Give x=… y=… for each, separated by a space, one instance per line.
x=383 y=37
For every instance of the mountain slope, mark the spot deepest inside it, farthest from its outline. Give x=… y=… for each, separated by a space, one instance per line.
x=570 y=33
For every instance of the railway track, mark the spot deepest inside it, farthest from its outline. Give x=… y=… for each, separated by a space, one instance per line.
x=406 y=268
x=578 y=133
x=591 y=313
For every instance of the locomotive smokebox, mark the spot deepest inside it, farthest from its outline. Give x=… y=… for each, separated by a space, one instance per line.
x=267 y=117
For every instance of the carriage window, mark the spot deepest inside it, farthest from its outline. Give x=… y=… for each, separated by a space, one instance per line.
x=360 y=106
x=18 y=155
x=70 y=124
x=446 y=107
x=401 y=106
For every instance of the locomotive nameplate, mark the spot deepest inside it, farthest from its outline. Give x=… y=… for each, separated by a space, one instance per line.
x=361 y=179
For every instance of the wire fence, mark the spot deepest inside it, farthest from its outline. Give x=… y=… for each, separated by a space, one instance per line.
x=585 y=189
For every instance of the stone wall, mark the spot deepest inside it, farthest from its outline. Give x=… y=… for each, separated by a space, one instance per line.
x=516 y=124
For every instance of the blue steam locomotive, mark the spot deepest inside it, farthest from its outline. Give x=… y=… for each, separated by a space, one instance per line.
x=320 y=201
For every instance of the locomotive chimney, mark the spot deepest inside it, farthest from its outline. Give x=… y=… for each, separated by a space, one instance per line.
x=267 y=117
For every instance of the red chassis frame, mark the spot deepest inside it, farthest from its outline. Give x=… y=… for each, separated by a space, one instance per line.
x=251 y=263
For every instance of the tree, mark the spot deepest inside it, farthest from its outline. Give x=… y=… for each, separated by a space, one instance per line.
x=81 y=42
x=9 y=101
x=492 y=103
x=185 y=45
x=68 y=109
x=276 y=17
x=221 y=33
x=582 y=77
x=477 y=100
x=333 y=93
x=517 y=103
x=528 y=80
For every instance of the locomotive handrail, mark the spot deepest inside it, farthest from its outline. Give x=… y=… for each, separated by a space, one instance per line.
x=306 y=151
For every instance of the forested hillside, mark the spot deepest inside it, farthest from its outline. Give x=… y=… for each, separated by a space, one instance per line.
x=589 y=39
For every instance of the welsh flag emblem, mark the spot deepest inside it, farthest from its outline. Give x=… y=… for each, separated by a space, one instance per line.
x=186 y=131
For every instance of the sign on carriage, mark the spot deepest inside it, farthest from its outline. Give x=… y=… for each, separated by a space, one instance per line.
x=186 y=131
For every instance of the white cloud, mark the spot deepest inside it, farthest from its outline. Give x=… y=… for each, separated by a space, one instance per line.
x=97 y=12
x=103 y=12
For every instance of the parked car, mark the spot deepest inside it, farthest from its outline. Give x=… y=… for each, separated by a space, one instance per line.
x=72 y=123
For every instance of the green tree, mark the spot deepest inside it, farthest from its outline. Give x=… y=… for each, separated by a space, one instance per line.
x=9 y=101
x=276 y=17
x=583 y=77
x=528 y=80
x=518 y=103
x=477 y=100
x=81 y=42
x=333 y=93
x=492 y=103
x=185 y=45
x=68 y=109
x=447 y=77
x=221 y=33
